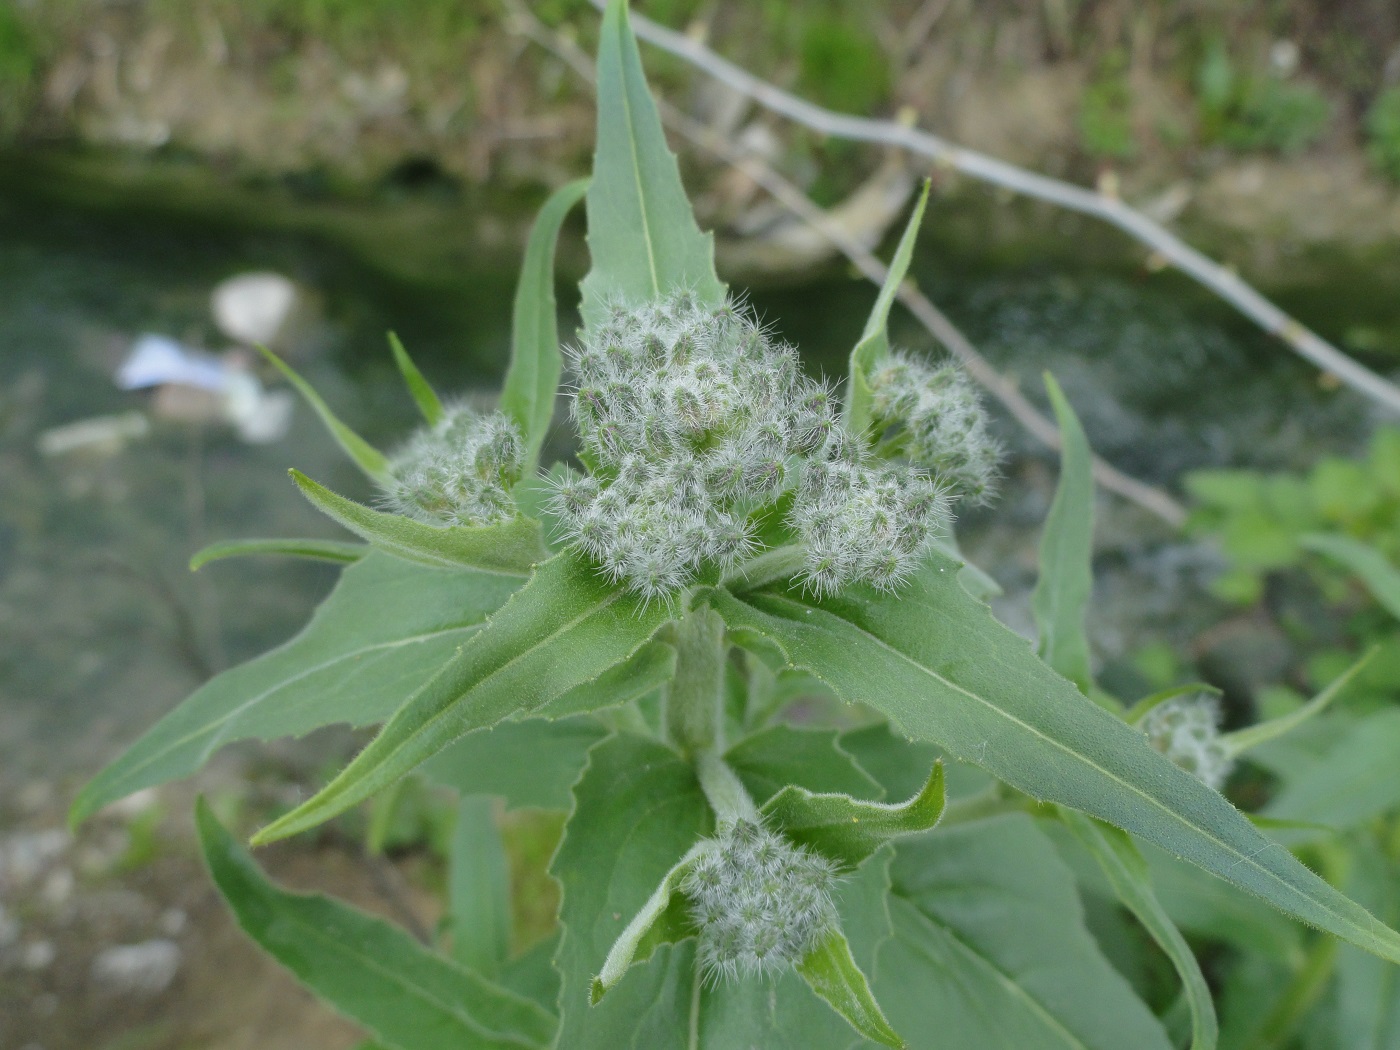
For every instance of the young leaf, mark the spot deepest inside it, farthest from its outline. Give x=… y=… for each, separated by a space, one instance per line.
x=990 y=949
x=510 y=548
x=373 y=973
x=566 y=626
x=942 y=669
x=478 y=888
x=1127 y=874
x=1061 y=593
x=532 y=762
x=1369 y=565
x=832 y=973
x=323 y=550
x=382 y=633
x=848 y=831
x=641 y=232
x=535 y=363
x=874 y=344
x=365 y=456
x=774 y=758
x=423 y=395
x=1241 y=740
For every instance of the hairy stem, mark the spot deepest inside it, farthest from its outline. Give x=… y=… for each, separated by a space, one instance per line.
x=695 y=697
x=723 y=789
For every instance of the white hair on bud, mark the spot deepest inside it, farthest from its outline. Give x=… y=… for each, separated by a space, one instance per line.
x=459 y=472
x=1186 y=729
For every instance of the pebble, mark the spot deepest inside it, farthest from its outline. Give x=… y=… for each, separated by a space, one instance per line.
x=38 y=955
x=137 y=969
x=25 y=855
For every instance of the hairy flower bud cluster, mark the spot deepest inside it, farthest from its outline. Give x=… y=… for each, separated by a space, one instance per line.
x=459 y=472
x=1187 y=730
x=934 y=416
x=691 y=419
x=761 y=903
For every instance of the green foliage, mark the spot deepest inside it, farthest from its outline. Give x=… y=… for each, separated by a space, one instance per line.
x=728 y=879
x=1256 y=110
x=1383 y=132
x=841 y=63
x=1105 y=117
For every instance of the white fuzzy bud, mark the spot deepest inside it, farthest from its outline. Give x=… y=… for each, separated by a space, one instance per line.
x=761 y=903
x=459 y=472
x=1187 y=730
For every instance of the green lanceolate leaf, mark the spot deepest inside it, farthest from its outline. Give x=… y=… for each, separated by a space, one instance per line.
x=1369 y=565
x=510 y=548
x=1130 y=880
x=321 y=550
x=368 y=970
x=774 y=758
x=990 y=949
x=423 y=395
x=384 y=631
x=874 y=344
x=848 y=831
x=1061 y=593
x=478 y=888
x=535 y=362
x=566 y=626
x=364 y=455
x=641 y=232
x=649 y=668
x=1241 y=740
x=638 y=809
x=1368 y=992
x=831 y=972
x=532 y=762
x=942 y=669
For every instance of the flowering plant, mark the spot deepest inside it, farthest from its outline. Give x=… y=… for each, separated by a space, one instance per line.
x=631 y=631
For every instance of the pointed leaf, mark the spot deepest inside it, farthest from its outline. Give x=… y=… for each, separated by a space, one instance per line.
x=382 y=633
x=942 y=669
x=1369 y=565
x=846 y=830
x=423 y=395
x=1241 y=740
x=646 y=671
x=641 y=232
x=364 y=455
x=566 y=626
x=532 y=379
x=1061 y=593
x=990 y=949
x=770 y=760
x=874 y=345
x=373 y=973
x=832 y=973
x=323 y=550
x=510 y=548
x=532 y=762
x=1128 y=875
x=478 y=888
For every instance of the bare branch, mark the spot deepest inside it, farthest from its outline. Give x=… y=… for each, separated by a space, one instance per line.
x=1102 y=205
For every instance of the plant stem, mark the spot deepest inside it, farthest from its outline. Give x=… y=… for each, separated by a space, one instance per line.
x=695 y=696
x=723 y=789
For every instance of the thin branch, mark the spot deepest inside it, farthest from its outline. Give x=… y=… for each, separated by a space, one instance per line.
x=1102 y=205
x=934 y=320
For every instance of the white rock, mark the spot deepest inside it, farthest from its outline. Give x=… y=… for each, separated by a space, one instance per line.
x=137 y=969
x=25 y=855
x=38 y=955
x=253 y=308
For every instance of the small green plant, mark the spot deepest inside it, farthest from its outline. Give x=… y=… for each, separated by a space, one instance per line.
x=1383 y=132
x=1259 y=110
x=1105 y=112
x=622 y=639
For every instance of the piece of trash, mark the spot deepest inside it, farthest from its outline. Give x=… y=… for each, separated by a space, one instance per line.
x=100 y=435
x=197 y=387
x=255 y=309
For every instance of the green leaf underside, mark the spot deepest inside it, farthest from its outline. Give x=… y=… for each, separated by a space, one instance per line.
x=377 y=638
x=642 y=234
x=990 y=950
x=510 y=548
x=1128 y=875
x=1369 y=565
x=1061 y=594
x=566 y=626
x=478 y=888
x=936 y=663
x=848 y=831
x=419 y=389
x=368 y=970
x=831 y=972
x=535 y=362
x=532 y=762
x=320 y=550
x=874 y=344
x=1241 y=740
x=364 y=455
x=770 y=760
